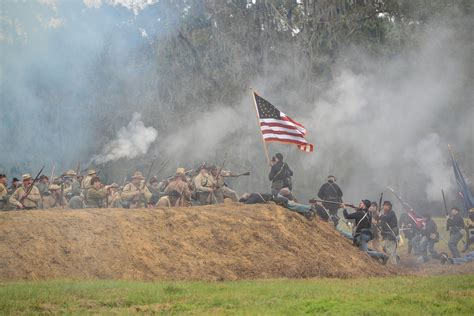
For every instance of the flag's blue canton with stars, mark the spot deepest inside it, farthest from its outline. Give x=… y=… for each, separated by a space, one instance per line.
x=266 y=109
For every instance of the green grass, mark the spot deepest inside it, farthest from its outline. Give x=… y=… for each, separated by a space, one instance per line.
x=382 y=296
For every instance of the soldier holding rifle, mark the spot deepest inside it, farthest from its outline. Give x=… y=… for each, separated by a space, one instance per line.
x=180 y=185
x=54 y=199
x=27 y=196
x=389 y=228
x=331 y=192
x=96 y=194
x=455 y=225
x=204 y=187
x=362 y=233
x=136 y=194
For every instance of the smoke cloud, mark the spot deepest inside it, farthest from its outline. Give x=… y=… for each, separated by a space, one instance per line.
x=77 y=72
x=66 y=66
x=132 y=141
x=381 y=122
x=204 y=136
x=430 y=159
x=378 y=122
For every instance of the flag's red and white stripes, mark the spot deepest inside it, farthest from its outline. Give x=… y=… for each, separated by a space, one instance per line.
x=418 y=221
x=285 y=130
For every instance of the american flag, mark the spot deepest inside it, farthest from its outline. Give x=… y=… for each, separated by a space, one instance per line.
x=276 y=126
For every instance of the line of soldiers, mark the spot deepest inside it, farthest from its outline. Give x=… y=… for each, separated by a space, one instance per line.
x=186 y=188
x=422 y=234
x=375 y=229
x=326 y=209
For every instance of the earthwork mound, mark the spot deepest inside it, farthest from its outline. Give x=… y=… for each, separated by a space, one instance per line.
x=220 y=242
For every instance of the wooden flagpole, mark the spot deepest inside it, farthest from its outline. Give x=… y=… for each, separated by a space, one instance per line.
x=258 y=121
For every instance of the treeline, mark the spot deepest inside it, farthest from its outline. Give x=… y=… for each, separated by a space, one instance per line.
x=219 y=48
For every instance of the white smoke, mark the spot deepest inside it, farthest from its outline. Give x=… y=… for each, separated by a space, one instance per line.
x=432 y=163
x=380 y=121
x=201 y=138
x=134 y=5
x=132 y=141
x=93 y=3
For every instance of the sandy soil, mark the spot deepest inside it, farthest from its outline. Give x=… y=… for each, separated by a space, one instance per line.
x=221 y=242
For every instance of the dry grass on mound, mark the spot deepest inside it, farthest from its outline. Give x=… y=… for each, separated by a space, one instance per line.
x=221 y=242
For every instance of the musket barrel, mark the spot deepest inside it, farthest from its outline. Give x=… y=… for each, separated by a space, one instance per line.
x=312 y=201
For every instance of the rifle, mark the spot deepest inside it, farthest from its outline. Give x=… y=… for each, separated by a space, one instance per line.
x=222 y=166
x=171 y=177
x=78 y=168
x=100 y=170
x=52 y=174
x=393 y=233
x=149 y=173
x=380 y=201
x=163 y=165
x=445 y=205
x=405 y=205
x=237 y=175
x=331 y=217
x=211 y=195
x=147 y=178
x=107 y=197
x=84 y=170
x=447 y=214
x=313 y=201
x=62 y=194
x=31 y=186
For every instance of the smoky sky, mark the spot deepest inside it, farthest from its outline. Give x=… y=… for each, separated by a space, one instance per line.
x=49 y=78
x=376 y=121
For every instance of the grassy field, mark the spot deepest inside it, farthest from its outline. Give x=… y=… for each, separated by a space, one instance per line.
x=389 y=296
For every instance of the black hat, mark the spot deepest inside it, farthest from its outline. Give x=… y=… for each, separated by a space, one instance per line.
x=279 y=156
x=2 y=175
x=367 y=203
x=15 y=180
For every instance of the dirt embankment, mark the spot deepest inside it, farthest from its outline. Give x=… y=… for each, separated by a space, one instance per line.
x=221 y=242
